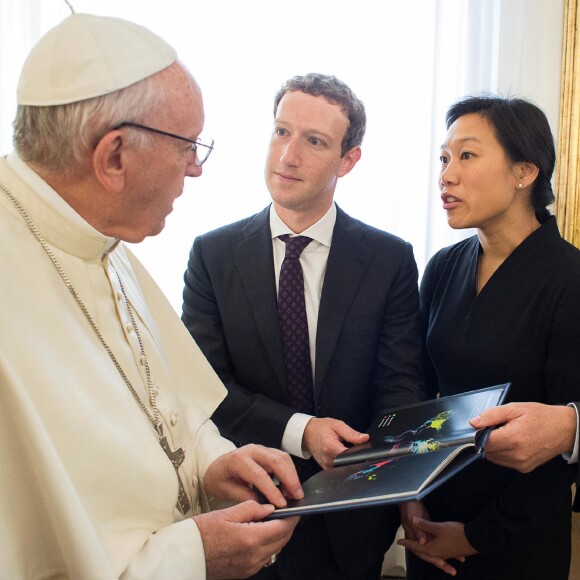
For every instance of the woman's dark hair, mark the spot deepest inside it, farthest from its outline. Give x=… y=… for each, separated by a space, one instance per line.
x=523 y=131
x=335 y=91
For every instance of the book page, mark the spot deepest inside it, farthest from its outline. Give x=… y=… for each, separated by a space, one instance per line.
x=424 y=427
x=382 y=482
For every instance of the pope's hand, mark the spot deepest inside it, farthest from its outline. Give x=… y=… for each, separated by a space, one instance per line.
x=237 y=544
x=233 y=475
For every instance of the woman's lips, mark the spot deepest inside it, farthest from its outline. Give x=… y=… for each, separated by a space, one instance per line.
x=449 y=201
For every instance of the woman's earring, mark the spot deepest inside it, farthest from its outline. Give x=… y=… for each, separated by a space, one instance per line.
x=520 y=185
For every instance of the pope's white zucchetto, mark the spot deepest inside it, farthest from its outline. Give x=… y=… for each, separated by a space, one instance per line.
x=87 y=56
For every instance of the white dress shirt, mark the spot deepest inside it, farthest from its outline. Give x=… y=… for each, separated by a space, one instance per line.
x=573 y=457
x=313 y=260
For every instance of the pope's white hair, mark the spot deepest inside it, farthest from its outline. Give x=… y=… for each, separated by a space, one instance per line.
x=61 y=137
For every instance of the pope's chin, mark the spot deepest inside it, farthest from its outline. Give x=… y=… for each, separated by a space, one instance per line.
x=138 y=235
x=159 y=227
x=156 y=230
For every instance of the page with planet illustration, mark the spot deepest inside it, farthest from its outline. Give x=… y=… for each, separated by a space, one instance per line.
x=426 y=427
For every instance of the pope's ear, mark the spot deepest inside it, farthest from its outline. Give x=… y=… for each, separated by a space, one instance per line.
x=109 y=159
x=349 y=160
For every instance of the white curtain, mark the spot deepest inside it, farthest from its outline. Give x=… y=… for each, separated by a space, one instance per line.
x=408 y=61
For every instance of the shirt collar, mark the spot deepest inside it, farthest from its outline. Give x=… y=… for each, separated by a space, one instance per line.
x=321 y=231
x=53 y=199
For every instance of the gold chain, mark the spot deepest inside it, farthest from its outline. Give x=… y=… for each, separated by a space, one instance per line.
x=153 y=418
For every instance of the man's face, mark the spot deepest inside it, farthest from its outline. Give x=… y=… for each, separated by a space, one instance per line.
x=156 y=175
x=304 y=158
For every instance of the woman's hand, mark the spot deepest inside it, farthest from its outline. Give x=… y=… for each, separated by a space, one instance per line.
x=445 y=540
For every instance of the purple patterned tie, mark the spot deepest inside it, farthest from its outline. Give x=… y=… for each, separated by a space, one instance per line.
x=294 y=326
x=295 y=342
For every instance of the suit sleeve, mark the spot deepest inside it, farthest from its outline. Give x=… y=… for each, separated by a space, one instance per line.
x=244 y=416
x=525 y=500
x=398 y=377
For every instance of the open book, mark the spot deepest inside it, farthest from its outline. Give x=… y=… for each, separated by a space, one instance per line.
x=411 y=451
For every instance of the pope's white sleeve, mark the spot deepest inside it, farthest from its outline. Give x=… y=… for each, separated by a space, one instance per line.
x=176 y=551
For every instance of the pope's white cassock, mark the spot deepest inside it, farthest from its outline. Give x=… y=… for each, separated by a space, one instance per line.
x=86 y=491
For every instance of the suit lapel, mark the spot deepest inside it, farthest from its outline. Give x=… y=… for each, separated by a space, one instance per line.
x=347 y=263
x=255 y=264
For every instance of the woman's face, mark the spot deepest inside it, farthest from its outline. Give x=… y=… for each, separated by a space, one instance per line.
x=479 y=185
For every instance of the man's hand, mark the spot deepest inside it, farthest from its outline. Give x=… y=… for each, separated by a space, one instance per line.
x=237 y=544
x=323 y=439
x=446 y=540
x=529 y=434
x=415 y=511
x=232 y=475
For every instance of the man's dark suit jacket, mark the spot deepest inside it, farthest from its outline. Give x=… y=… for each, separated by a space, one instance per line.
x=367 y=345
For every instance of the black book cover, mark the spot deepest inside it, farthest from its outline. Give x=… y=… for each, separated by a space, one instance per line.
x=412 y=450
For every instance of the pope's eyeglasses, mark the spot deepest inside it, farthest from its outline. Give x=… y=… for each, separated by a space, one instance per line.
x=201 y=155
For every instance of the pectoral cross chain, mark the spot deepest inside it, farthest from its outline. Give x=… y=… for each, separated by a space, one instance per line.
x=176 y=457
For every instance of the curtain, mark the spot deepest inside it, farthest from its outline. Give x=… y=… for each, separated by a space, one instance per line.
x=568 y=167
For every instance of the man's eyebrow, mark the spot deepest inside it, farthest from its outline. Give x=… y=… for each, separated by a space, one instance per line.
x=308 y=130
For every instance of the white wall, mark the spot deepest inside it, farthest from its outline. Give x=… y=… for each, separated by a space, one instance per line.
x=407 y=61
x=512 y=47
x=530 y=56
